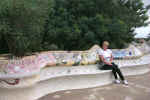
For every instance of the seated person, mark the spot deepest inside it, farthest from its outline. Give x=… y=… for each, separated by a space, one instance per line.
x=106 y=58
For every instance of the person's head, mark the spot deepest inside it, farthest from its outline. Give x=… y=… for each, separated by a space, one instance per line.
x=105 y=45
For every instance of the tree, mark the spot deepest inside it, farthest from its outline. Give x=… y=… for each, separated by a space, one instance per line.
x=22 y=23
x=79 y=24
x=35 y=25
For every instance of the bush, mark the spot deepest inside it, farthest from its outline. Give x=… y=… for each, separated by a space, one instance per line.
x=22 y=24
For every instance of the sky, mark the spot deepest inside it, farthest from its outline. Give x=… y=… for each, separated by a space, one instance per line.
x=143 y=32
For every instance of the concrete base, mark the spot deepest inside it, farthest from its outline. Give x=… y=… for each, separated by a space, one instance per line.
x=80 y=81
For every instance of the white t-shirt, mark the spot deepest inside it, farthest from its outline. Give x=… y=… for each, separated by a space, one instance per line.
x=106 y=54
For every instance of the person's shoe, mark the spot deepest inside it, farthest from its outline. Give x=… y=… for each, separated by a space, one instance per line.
x=125 y=82
x=117 y=81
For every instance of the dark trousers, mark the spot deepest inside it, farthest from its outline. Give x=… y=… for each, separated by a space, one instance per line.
x=115 y=70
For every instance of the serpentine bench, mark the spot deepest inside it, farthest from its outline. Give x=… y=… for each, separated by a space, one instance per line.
x=48 y=72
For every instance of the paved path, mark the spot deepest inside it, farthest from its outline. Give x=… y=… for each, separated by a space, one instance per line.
x=138 y=89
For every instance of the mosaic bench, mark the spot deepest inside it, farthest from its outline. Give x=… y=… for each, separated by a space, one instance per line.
x=52 y=71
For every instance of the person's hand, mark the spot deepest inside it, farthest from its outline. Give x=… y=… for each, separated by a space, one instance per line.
x=111 y=61
x=110 y=64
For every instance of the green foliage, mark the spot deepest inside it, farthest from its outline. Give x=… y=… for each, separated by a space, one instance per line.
x=79 y=24
x=34 y=25
x=22 y=23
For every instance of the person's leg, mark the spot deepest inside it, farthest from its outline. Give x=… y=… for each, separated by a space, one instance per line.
x=109 y=67
x=118 y=72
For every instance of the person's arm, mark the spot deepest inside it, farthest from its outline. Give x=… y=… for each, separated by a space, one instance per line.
x=103 y=60
x=111 y=59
